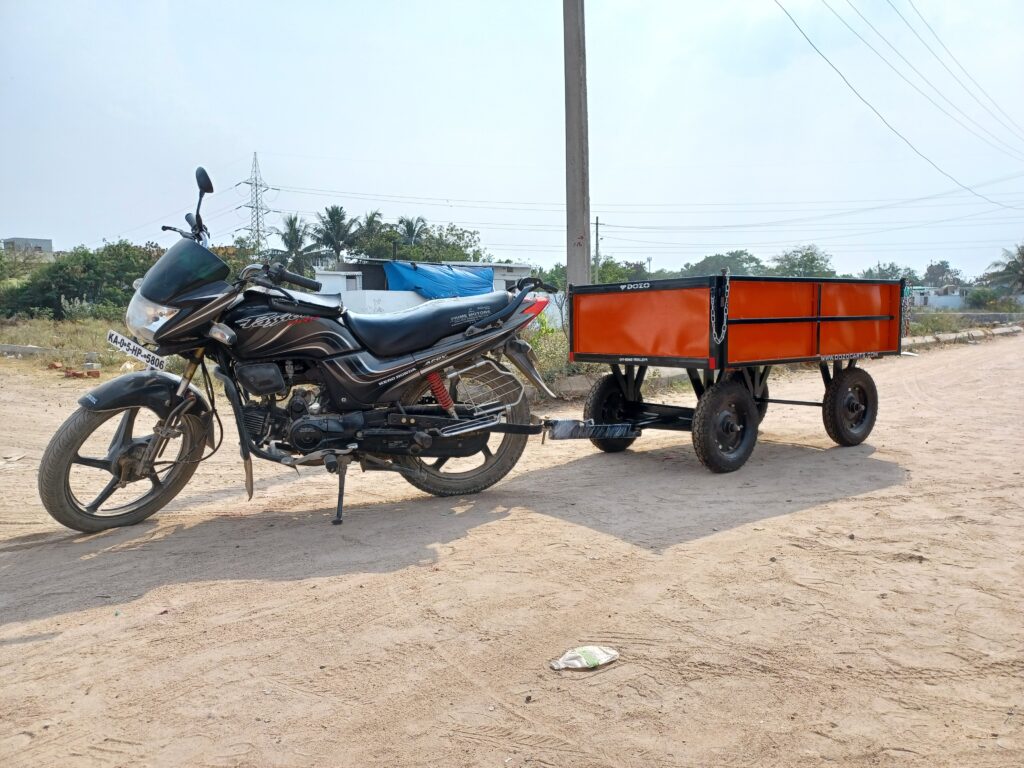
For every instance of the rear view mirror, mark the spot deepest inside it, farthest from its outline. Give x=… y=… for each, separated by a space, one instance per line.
x=203 y=180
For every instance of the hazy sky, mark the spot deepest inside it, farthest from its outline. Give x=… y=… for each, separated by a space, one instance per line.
x=713 y=125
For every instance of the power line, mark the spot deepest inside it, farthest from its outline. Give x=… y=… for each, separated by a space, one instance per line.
x=952 y=73
x=962 y=68
x=929 y=83
x=451 y=202
x=878 y=114
x=1008 y=152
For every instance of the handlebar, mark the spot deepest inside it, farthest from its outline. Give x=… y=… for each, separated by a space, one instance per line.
x=278 y=274
x=532 y=283
x=183 y=233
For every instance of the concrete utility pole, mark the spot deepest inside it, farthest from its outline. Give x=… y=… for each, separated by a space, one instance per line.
x=577 y=156
x=597 y=250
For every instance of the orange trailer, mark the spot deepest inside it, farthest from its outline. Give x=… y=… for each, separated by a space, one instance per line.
x=728 y=332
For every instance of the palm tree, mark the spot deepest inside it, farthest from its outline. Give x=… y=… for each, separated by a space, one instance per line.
x=294 y=235
x=412 y=230
x=371 y=224
x=334 y=230
x=1008 y=272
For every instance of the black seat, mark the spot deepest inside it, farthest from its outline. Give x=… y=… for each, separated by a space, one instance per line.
x=419 y=327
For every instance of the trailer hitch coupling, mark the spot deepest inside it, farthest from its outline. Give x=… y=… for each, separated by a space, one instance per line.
x=572 y=429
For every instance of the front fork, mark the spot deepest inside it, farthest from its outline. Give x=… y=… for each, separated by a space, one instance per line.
x=167 y=428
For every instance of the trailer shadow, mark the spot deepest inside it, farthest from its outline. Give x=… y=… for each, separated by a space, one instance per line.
x=663 y=497
x=654 y=498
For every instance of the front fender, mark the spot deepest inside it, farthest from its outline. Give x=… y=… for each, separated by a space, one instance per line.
x=149 y=389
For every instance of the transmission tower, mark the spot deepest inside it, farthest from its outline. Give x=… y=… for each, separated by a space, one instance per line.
x=257 y=209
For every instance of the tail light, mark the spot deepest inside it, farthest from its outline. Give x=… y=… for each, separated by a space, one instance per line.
x=536 y=307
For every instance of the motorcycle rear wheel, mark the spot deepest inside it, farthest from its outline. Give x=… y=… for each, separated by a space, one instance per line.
x=65 y=473
x=500 y=453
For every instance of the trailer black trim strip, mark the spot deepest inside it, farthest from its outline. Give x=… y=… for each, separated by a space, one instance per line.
x=766 y=279
x=671 y=362
x=633 y=286
x=812 y=359
x=808 y=319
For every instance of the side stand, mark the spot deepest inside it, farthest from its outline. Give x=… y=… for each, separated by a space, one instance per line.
x=338 y=466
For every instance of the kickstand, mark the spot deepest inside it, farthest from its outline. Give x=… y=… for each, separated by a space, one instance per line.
x=338 y=466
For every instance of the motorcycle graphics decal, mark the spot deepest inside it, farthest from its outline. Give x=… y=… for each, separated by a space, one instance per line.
x=268 y=320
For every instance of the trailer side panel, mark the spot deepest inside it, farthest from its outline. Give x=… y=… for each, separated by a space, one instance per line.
x=672 y=323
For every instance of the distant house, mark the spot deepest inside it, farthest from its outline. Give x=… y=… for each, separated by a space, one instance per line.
x=38 y=248
x=946 y=297
x=33 y=244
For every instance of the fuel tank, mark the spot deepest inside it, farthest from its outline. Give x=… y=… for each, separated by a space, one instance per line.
x=265 y=332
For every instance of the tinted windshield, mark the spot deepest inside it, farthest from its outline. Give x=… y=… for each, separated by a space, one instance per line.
x=184 y=267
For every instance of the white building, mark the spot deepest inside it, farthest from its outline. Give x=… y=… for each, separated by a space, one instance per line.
x=947 y=297
x=363 y=286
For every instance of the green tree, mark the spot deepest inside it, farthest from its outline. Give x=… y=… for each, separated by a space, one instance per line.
x=740 y=262
x=371 y=225
x=891 y=271
x=16 y=263
x=939 y=273
x=1007 y=272
x=412 y=230
x=448 y=243
x=804 y=261
x=298 y=252
x=101 y=277
x=333 y=230
x=981 y=298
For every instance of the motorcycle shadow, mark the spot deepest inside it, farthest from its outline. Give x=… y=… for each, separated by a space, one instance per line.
x=655 y=498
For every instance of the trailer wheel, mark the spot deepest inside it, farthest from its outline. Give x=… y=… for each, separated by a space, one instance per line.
x=725 y=426
x=762 y=407
x=850 y=406
x=606 y=404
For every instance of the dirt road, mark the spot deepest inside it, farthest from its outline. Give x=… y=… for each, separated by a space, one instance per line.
x=843 y=606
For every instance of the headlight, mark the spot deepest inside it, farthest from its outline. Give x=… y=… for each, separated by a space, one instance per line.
x=144 y=317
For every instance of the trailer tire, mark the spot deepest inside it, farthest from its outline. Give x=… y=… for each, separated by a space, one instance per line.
x=725 y=426
x=606 y=405
x=850 y=406
x=762 y=407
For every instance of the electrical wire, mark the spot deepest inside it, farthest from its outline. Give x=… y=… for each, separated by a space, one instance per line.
x=962 y=68
x=952 y=73
x=879 y=115
x=1009 y=152
x=929 y=83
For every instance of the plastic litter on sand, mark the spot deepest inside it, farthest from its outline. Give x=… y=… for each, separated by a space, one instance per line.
x=585 y=657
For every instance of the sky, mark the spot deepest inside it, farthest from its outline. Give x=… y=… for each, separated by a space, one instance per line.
x=713 y=125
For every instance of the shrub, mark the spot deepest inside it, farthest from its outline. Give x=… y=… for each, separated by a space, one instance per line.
x=551 y=345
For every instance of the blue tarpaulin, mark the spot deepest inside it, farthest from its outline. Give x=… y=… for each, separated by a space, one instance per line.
x=438 y=281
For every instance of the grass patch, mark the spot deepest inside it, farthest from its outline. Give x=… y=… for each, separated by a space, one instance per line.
x=72 y=341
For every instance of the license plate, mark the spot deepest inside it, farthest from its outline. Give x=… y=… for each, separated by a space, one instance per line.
x=137 y=351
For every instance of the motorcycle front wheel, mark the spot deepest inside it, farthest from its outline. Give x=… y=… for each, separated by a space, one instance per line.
x=458 y=476
x=89 y=477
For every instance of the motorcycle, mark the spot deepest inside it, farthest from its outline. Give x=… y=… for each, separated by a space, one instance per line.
x=424 y=392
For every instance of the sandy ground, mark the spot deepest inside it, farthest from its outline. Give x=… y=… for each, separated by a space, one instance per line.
x=824 y=605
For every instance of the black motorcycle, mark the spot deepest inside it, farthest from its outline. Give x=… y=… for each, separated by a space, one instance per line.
x=423 y=392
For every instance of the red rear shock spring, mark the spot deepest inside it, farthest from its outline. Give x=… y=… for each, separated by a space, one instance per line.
x=441 y=394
